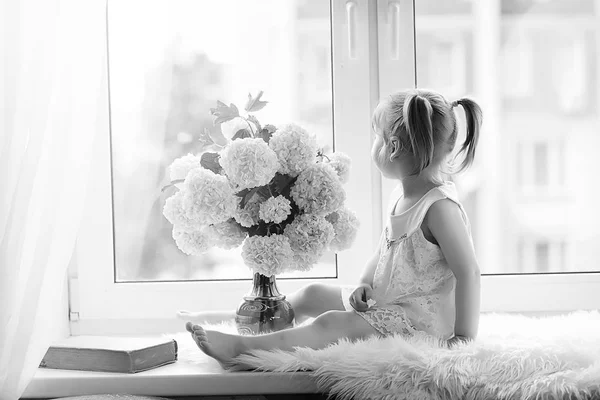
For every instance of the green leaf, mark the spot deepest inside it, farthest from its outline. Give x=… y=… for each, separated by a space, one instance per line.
x=261 y=229
x=224 y=113
x=264 y=192
x=248 y=196
x=242 y=193
x=210 y=161
x=282 y=184
x=254 y=120
x=173 y=183
x=242 y=134
x=266 y=133
x=205 y=138
x=255 y=103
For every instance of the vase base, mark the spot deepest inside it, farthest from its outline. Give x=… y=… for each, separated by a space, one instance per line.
x=258 y=316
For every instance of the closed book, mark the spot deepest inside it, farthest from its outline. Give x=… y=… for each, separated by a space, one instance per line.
x=110 y=354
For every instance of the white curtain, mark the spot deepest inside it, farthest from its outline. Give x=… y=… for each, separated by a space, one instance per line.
x=54 y=95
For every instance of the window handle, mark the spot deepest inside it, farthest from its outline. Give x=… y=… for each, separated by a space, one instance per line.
x=351 y=22
x=394 y=29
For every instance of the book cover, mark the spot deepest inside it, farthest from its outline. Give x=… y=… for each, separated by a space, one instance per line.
x=110 y=354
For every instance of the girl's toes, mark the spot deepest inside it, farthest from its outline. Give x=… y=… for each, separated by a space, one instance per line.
x=189 y=327
x=199 y=330
x=197 y=339
x=201 y=345
x=201 y=342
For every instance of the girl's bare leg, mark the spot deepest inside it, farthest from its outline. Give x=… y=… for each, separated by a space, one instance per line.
x=315 y=299
x=324 y=330
x=308 y=302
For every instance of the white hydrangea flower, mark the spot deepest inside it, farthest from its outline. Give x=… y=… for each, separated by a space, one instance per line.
x=208 y=197
x=227 y=235
x=318 y=190
x=309 y=236
x=341 y=163
x=304 y=261
x=249 y=163
x=231 y=127
x=249 y=215
x=180 y=167
x=275 y=209
x=267 y=255
x=192 y=243
x=345 y=224
x=174 y=212
x=295 y=148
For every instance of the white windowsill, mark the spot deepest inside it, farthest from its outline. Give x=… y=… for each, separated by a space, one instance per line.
x=182 y=378
x=178 y=379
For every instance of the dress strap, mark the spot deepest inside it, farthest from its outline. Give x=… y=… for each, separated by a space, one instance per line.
x=404 y=225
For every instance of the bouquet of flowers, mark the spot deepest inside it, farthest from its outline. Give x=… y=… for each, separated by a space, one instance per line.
x=269 y=189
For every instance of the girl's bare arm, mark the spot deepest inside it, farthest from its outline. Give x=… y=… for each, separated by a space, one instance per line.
x=369 y=270
x=445 y=221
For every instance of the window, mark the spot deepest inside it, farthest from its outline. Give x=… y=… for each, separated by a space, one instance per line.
x=508 y=42
x=161 y=94
x=312 y=59
x=531 y=205
x=532 y=69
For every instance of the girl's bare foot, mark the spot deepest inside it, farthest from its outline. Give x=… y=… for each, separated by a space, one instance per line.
x=220 y=346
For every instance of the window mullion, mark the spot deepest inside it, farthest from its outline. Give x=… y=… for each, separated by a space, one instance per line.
x=396 y=49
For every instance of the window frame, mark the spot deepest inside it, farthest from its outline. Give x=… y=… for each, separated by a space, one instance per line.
x=363 y=70
x=99 y=298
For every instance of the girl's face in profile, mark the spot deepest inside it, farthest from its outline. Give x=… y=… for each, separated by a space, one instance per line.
x=381 y=154
x=378 y=150
x=387 y=154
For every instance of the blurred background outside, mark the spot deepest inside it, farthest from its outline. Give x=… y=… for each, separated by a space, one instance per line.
x=171 y=60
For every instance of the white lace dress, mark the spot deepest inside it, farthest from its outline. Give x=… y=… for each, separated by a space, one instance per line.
x=413 y=285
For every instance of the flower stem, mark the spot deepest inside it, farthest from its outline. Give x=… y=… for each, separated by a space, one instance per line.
x=249 y=126
x=321 y=155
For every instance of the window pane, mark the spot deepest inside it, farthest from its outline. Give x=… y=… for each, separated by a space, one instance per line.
x=170 y=61
x=534 y=67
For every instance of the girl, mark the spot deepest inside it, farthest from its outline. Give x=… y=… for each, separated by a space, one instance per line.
x=424 y=275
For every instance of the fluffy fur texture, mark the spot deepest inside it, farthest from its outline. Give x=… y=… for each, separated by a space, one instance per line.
x=514 y=357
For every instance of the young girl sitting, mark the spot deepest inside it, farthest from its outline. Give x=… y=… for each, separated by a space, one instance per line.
x=424 y=275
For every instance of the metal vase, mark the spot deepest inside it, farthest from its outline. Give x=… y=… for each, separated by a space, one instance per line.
x=264 y=309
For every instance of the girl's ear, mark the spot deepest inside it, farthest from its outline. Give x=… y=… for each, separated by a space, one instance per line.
x=396 y=148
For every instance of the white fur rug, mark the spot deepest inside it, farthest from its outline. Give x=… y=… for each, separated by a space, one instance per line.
x=514 y=357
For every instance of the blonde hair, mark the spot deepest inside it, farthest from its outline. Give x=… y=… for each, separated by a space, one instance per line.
x=425 y=125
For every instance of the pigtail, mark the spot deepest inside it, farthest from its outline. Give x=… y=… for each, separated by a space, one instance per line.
x=417 y=114
x=474 y=117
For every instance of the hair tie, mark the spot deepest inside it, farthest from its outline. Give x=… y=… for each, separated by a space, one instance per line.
x=455 y=103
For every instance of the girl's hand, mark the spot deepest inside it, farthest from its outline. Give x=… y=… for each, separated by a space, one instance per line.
x=358 y=298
